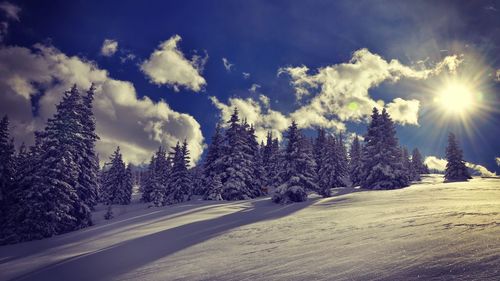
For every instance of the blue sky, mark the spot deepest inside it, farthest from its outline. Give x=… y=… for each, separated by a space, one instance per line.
x=258 y=38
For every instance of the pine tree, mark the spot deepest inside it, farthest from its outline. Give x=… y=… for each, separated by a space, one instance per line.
x=7 y=166
x=214 y=164
x=87 y=184
x=157 y=177
x=455 y=168
x=355 y=164
x=341 y=162
x=298 y=172
x=115 y=186
x=406 y=163
x=270 y=161
x=214 y=190
x=239 y=174
x=382 y=165
x=417 y=165
x=320 y=144
x=179 y=185
x=128 y=184
x=54 y=206
x=327 y=176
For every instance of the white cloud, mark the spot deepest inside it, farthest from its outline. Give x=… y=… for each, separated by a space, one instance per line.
x=246 y=75
x=497 y=75
x=127 y=57
x=12 y=11
x=435 y=163
x=168 y=66
x=404 y=111
x=480 y=170
x=264 y=100
x=227 y=64
x=137 y=125
x=497 y=159
x=253 y=89
x=439 y=164
x=109 y=47
x=340 y=92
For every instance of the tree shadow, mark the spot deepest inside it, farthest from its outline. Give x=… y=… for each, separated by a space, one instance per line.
x=126 y=256
x=104 y=230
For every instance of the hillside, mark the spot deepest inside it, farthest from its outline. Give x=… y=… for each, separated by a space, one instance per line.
x=428 y=231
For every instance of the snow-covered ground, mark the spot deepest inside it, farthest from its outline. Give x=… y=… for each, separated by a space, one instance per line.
x=428 y=231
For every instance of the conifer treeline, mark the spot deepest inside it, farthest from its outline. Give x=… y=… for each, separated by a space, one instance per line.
x=51 y=187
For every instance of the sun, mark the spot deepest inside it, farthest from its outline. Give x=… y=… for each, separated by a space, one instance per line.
x=456 y=98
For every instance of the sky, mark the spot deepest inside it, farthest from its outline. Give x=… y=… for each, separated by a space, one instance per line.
x=170 y=70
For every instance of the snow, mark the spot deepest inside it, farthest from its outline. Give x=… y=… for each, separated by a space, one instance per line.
x=428 y=231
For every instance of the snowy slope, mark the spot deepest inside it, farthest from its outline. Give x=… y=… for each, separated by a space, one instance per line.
x=428 y=231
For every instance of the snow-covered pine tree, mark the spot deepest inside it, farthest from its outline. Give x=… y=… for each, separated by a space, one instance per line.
x=298 y=172
x=239 y=163
x=327 y=176
x=198 y=180
x=341 y=162
x=214 y=164
x=257 y=170
x=87 y=184
x=54 y=204
x=382 y=166
x=115 y=189
x=455 y=168
x=406 y=163
x=355 y=165
x=270 y=161
x=179 y=184
x=417 y=165
x=214 y=189
x=319 y=148
x=7 y=166
x=128 y=184
x=157 y=176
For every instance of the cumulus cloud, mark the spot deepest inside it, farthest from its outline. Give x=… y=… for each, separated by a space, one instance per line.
x=340 y=92
x=227 y=64
x=497 y=75
x=11 y=11
x=246 y=75
x=439 y=164
x=404 y=111
x=167 y=65
x=109 y=47
x=137 y=125
x=497 y=159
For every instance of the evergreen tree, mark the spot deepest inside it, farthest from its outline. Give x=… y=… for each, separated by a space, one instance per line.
x=7 y=166
x=270 y=161
x=320 y=147
x=214 y=164
x=239 y=174
x=214 y=190
x=355 y=164
x=417 y=165
x=54 y=206
x=298 y=172
x=157 y=177
x=341 y=162
x=198 y=180
x=179 y=185
x=327 y=177
x=406 y=163
x=382 y=165
x=455 y=168
x=116 y=188
x=87 y=184
x=128 y=184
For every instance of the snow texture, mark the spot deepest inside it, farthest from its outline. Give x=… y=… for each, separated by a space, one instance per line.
x=428 y=231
